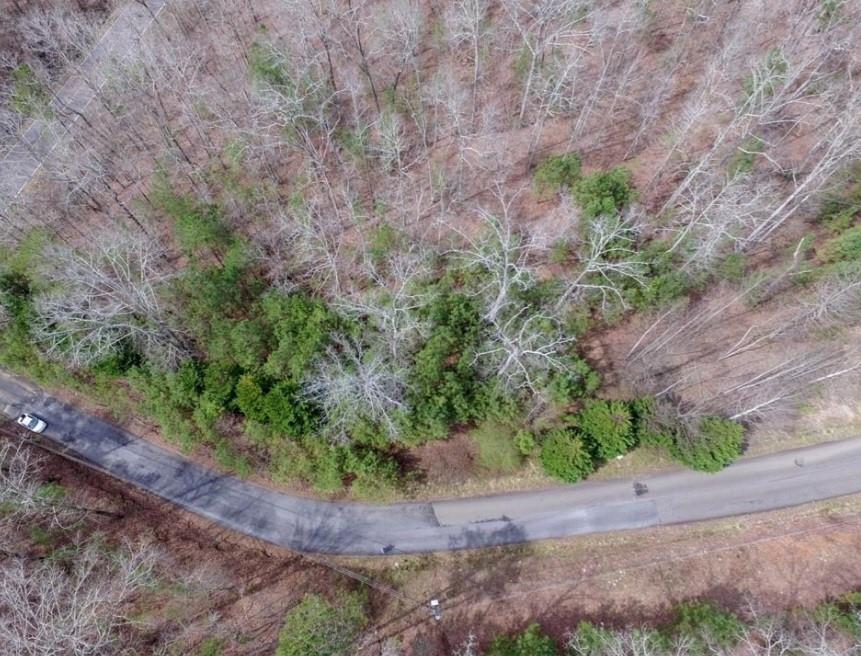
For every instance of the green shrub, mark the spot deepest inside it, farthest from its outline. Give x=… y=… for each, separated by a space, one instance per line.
x=354 y=142
x=579 y=381
x=119 y=362
x=606 y=425
x=289 y=462
x=497 y=451
x=186 y=383
x=844 y=248
x=560 y=252
x=364 y=432
x=384 y=240
x=707 y=627
x=525 y=443
x=564 y=455
x=375 y=474
x=230 y=459
x=445 y=387
x=51 y=492
x=604 y=192
x=268 y=66
x=830 y=12
x=714 y=445
x=664 y=279
x=211 y=647
x=314 y=627
x=326 y=466
x=250 y=399
x=708 y=444
x=301 y=327
x=287 y=411
x=771 y=75
x=212 y=295
x=202 y=226
x=589 y=640
x=196 y=224
x=557 y=172
x=532 y=642
x=648 y=431
x=745 y=157
x=250 y=341
x=843 y=615
x=29 y=96
x=732 y=267
x=493 y=401
x=840 y=208
x=658 y=290
x=219 y=383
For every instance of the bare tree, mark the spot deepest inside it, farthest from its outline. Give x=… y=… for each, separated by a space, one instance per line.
x=49 y=610
x=391 y=306
x=619 y=54
x=719 y=362
x=352 y=384
x=525 y=344
x=543 y=26
x=836 y=300
x=25 y=499
x=391 y=144
x=721 y=216
x=401 y=23
x=523 y=349
x=309 y=243
x=607 y=258
x=391 y=647
x=504 y=257
x=57 y=36
x=634 y=642
x=468 y=647
x=467 y=23
x=106 y=298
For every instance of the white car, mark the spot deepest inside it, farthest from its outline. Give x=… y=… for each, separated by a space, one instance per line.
x=32 y=423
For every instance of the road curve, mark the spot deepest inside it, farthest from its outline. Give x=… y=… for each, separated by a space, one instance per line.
x=309 y=525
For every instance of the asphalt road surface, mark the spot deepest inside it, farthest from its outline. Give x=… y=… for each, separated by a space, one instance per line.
x=25 y=157
x=751 y=485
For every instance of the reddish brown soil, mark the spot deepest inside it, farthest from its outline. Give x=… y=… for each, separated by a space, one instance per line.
x=445 y=462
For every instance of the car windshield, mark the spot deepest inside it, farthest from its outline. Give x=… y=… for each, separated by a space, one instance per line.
x=32 y=422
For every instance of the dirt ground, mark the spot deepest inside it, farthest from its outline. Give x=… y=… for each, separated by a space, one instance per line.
x=785 y=559
x=794 y=557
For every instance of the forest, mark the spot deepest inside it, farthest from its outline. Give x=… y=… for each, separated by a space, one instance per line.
x=395 y=249
x=309 y=238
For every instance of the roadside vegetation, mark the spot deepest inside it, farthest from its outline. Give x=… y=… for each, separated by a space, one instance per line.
x=317 y=628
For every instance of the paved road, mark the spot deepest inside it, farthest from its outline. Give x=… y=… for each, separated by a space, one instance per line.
x=25 y=158
x=309 y=525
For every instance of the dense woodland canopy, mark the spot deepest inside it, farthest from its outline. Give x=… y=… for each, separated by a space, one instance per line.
x=314 y=235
